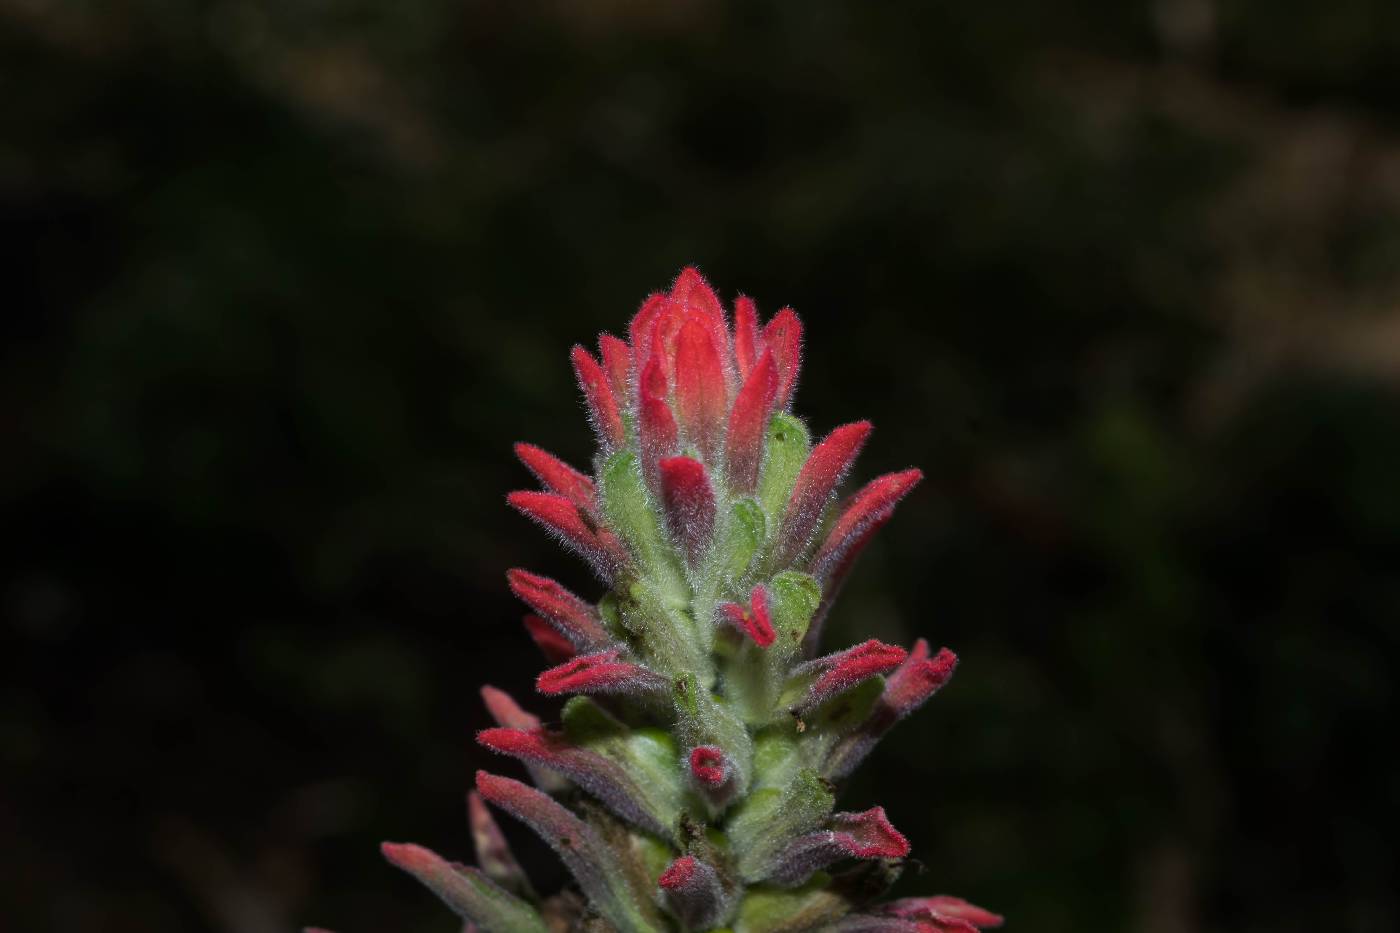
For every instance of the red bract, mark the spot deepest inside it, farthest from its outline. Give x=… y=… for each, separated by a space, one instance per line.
x=571 y=617
x=506 y=711
x=945 y=909
x=839 y=672
x=745 y=334
x=825 y=467
x=557 y=476
x=603 y=778
x=602 y=403
x=700 y=389
x=599 y=546
x=918 y=678
x=874 y=503
x=555 y=647
x=783 y=338
x=689 y=503
x=603 y=672
x=748 y=421
x=867 y=835
x=756 y=621
x=658 y=431
x=617 y=363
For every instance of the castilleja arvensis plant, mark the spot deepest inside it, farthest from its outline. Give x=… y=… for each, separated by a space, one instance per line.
x=691 y=783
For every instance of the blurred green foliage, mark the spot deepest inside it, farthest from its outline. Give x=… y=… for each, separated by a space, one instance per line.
x=283 y=282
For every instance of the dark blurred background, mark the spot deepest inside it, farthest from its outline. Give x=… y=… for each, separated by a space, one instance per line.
x=282 y=282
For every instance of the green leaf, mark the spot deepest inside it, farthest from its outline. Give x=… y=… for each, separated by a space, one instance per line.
x=813 y=906
x=770 y=818
x=788 y=445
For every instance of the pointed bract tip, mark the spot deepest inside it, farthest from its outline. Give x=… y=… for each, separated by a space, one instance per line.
x=871 y=835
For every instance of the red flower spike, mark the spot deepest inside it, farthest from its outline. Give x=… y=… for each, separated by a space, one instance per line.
x=658 y=431
x=747 y=422
x=872 y=505
x=756 y=621
x=944 y=908
x=843 y=670
x=557 y=476
x=689 y=503
x=600 y=673
x=559 y=515
x=571 y=617
x=602 y=403
x=602 y=777
x=555 y=647
x=710 y=766
x=617 y=363
x=700 y=387
x=577 y=844
x=692 y=891
x=493 y=852
x=746 y=341
x=825 y=467
x=867 y=835
x=506 y=711
x=783 y=336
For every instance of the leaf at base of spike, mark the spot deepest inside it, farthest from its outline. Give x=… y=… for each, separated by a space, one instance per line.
x=589 y=858
x=469 y=893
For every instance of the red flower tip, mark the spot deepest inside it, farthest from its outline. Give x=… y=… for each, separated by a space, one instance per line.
x=747 y=422
x=845 y=669
x=520 y=743
x=557 y=476
x=867 y=509
x=570 y=616
x=825 y=467
x=411 y=858
x=756 y=621
x=783 y=336
x=700 y=385
x=710 y=766
x=745 y=334
x=602 y=672
x=869 y=835
x=679 y=874
x=918 y=678
x=506 y=711
x=602 y=403
x=639 y=331
x=689 y=503
x=555 y=647
x=617 y=363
